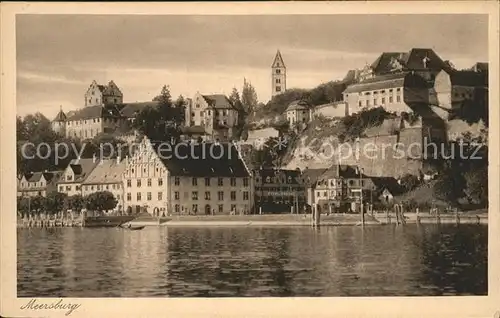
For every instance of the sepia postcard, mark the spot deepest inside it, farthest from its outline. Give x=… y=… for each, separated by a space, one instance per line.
x=278 y=159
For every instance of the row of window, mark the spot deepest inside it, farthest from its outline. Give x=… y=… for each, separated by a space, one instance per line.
x=278 y=179
x=97 y=187
x=382 y=101
x=90 y=121
x=350 y=182
x=208 y=209
x=220 y=182
x=194 y=196
x=32 y=184
x=149 y=182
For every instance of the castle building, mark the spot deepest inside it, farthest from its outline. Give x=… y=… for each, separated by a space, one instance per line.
x=91 y=121
x=278 y=75
x=453 y=89
x=396 y=81
x=99 y=95
x=215 y=113
x=59 y=123
x=189 y=178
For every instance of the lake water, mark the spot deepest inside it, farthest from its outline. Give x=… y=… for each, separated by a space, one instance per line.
x=269 y=261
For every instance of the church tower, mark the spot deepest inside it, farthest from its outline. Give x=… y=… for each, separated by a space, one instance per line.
x=278 y=75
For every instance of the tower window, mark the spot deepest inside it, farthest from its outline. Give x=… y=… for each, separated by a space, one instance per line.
x=278 y=81
x=278 y=71
x=278 y=88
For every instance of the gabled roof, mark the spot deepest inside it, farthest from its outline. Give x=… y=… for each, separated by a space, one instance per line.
x=412 y=60
x=81 y=168
x=91 y=112
x=61 y=116
x=130 y=110
x=298 y=105
x=218 y=101
x=202 y=160
x=278 y=61
x=112 y=90
x=388 y=183
x=311 y=176
x=378 y=82
x=107 y=171
x=383 y=63
x=47 y=175
x=340 y=171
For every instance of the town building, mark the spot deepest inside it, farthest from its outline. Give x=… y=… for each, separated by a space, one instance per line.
x=278 y=75
x=396 y=93
x=452 y=89
x=310 y=179
x=107 y=176
x=188 y=178
x=90 y=121
x=279 y=191
x=396 y=81
x=100 y=95
x=215 y=113
x=386 y=188
x=75 y=175
x=298 y=112
x=38 y=183
x=339 y=189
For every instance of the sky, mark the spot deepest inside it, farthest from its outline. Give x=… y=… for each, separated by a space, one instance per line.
x=58 y=56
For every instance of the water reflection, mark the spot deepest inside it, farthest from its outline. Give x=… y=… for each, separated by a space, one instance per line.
x=225 y=262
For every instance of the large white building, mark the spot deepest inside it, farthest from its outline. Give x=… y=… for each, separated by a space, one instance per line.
x=189 y=178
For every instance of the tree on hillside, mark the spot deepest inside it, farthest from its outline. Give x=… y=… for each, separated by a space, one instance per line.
x=163 y=122
x=248 y=97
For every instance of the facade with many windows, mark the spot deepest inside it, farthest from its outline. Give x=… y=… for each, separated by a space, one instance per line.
x=75 y=175
x=106 y=176
x=187 y=179
x=339 y=189
x=279 y=190
x=37 y=183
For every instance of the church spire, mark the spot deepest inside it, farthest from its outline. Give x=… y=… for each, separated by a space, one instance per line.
x=278 y=75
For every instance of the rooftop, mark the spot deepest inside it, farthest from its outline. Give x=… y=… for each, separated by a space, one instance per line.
x=205 y=159
x=298 y=105
x=107 y=171
x=218 y=101
x=91 y=112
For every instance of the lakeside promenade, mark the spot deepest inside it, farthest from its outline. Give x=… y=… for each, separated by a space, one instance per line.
x=473 y=217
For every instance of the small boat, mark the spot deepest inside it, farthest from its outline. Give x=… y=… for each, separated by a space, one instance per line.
x=131 y=227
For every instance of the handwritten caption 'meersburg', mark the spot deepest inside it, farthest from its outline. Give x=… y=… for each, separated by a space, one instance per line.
x=59 y=305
